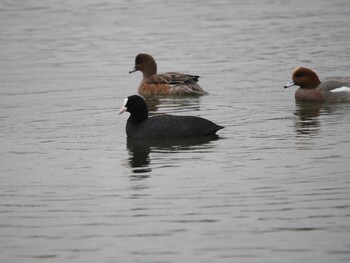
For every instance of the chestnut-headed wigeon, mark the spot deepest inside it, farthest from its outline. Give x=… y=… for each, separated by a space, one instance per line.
x=312 y=89
x=139 y=125
x=170 y=83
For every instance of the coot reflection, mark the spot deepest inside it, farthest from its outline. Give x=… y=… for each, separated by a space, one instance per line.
x=141 y=149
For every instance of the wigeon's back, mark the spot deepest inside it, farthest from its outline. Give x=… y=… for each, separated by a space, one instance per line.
x=312 y=89
x=170 y=83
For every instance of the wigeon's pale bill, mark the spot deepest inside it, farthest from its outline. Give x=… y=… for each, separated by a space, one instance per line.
x=312 y=89
x=139 y=125
x=170 y=83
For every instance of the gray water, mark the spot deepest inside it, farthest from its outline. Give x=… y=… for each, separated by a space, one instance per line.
x=273 y=187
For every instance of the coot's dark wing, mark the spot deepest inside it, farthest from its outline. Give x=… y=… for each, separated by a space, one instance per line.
x=170 y=126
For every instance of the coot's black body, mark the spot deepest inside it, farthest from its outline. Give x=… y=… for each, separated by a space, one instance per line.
x=163 y=126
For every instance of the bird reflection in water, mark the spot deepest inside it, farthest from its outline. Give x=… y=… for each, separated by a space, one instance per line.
x=308 y=115
x=139 y=159
x=140 y=150
x=172 y=104
x=307 y=121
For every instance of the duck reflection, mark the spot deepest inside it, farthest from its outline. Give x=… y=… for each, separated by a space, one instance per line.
x=140 y=150
x=172 y=104
x=308 y=115
x=307 y=121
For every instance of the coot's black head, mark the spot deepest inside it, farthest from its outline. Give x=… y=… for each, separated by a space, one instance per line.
x=137 y=107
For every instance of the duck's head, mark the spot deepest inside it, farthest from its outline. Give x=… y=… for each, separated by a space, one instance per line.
x=303 y=77
x=146 y=64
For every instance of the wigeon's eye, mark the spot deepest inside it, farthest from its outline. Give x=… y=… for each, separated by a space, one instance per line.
x=300 y=75
x=138 y=60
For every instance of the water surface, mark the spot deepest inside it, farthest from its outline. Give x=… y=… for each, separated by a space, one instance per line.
x=272 y=187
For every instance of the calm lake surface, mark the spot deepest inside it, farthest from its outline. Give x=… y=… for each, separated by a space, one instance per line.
x=274 y=186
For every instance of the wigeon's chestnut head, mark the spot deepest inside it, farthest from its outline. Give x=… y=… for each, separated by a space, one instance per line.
x=139 y=125
x=170 y=83
x=312 y=89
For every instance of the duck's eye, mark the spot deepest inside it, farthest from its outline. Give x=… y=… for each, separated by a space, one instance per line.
x=138 y=60
x=300 y=75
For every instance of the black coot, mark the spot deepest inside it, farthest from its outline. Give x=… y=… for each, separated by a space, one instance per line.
x=162 y=126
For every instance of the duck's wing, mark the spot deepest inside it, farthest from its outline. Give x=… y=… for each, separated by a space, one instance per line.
x=336 y=89
x=173 y=79
x=178 y=79
x=179 y=83
x=183 y=83
x=336 y=84
x=157 y=79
